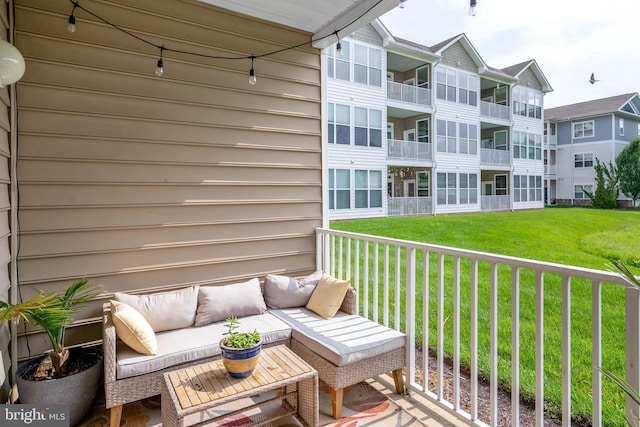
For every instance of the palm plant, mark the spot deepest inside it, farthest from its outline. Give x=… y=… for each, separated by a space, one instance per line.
x=53 y=313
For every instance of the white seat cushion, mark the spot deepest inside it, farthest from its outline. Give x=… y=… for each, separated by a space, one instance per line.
x=193 y=343
x=343 y=339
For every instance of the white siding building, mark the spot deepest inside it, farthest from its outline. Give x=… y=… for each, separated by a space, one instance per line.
x=460 y=136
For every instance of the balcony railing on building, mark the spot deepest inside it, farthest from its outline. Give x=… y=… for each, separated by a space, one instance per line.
x=495 y=111
x=495 y=203
x=551 y=170
x=409 y=206
x=489 y=156
x=408 y=150
x=408 y=93
x=444 y=296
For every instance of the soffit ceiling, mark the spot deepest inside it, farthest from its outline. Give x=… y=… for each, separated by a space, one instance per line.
x=321 y=18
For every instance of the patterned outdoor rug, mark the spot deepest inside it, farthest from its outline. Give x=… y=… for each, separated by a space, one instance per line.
x=363 y=406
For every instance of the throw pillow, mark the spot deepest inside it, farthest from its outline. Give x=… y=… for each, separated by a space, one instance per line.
x=165 y=310
x=216 y=303
x=133 y=329
x=328 y=295
x=287 y=292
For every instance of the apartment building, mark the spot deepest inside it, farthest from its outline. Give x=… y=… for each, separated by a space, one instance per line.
x=578 y=134
x=426 y=130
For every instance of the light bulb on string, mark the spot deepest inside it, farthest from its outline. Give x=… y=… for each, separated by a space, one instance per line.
x=160 y=66
x=72 y=19
x=252 y=73
x=472 y=7
x=402 y=4
x=338 y=46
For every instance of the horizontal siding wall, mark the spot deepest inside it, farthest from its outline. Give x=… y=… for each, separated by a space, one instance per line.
x=145 y=183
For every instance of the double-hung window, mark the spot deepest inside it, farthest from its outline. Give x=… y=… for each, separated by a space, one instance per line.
x=583 y=160
x=583 y=129
x=368 y=189
x=338 y=66
x=580 y=191
x=468 y=188
x=339 y=123
x=368 y=127
x=456 y=86
x=339 y=189
x=367 y=65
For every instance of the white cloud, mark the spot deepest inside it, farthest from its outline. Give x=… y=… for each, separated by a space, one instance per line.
x=569 y=39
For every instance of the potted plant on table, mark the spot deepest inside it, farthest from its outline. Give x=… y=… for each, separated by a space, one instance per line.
x=240 y=350
x=62 y=376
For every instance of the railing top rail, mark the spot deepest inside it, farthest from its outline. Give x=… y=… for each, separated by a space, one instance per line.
x=561 y=269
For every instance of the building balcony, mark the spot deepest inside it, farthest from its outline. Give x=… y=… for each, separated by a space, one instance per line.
x=550 y=171
x=408 y=150
x=494 y=111
x=495 y=203
x=492 y=157
x=445 y=296
x=408 y=94
x=409 y=206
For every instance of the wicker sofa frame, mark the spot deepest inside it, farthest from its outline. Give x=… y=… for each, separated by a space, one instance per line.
x=121 y=391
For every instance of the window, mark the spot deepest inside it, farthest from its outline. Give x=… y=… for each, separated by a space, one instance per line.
x=339 y=123
x=422 y=77
x=583 y=160
x=339 y=189
x=468 y=188
x=501 y=185
x=519 y=188
x=468 y=138
x=527 y=146
x=579 y=191
x=500 y=140
x=500 y=95
x=454 y=137
x=456 y=86
x=621 y=126
x=527 y=103
x=422 y=128
x=583 y=129
x=368 y=189
x=446 y=188
x=538 y=139
x=338 y=67
x=367 y=127
x=519 y=145
x=423 y=184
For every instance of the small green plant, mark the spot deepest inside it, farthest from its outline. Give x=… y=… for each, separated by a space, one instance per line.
x=237 y=339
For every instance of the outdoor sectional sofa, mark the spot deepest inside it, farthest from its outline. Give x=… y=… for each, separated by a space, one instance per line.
x=183 y=328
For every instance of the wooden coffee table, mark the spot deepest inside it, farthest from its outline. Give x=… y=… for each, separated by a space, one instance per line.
x=199 y=388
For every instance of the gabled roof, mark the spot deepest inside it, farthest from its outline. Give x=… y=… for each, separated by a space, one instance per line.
x=517 y=69
x=466 y=44
x=628 y=103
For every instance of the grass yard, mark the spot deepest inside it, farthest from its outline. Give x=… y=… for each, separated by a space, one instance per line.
x=574 y=236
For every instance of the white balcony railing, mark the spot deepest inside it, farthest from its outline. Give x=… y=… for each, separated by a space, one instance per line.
x=408 y=206
x=496 y=111
x=408 y=150
x=494 y=203
x=408 y=93
x=444 y=296
x=489 y=156
x=551 y=169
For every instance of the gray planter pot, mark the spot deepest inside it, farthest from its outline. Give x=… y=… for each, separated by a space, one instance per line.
x=76 y=391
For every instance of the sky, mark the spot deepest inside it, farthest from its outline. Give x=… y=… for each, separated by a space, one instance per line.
x=569 y=39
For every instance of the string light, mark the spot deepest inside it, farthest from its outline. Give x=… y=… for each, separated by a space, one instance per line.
x=252 y=73
x=472 y=7
x=338 y=46
x=160 y=67
x=402 y=4
x=72 y=19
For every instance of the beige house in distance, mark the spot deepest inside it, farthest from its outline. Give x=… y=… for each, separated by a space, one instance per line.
x=144 y=183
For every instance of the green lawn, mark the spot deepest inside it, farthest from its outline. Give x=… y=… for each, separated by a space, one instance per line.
x=574 y=236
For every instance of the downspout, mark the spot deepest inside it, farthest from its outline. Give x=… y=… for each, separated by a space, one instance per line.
x=13 y=270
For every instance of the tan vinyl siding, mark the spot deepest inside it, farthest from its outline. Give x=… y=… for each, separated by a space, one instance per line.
x=5 y=206
x=456 y=56
x=145 y=183
x=529 y=79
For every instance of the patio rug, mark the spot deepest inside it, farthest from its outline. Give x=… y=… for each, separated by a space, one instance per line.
x=363 y=406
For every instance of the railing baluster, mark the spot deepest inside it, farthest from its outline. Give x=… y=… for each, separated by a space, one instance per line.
x=493 y=352
x=474 y=339
x=440 y=351
x=410 y=312
x=632 y=335
x=596 y=358
x=349 y=259
x=566 y=351
x=425 y=320
x=456 y=333
x=539 y=348
x=356 y=268
x=396 y=293
x=365 y=281
x=375 y=282
x=340 y=254
x=515 y=346
x=385 y=303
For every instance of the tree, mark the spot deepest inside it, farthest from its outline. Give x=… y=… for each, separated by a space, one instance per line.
x=628 y=163
x=606 y=194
